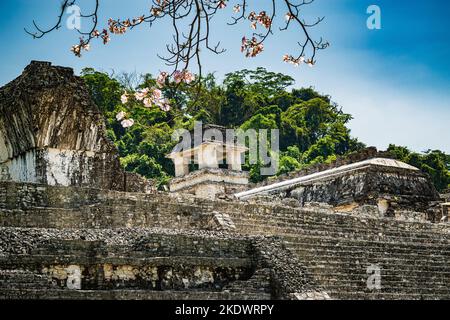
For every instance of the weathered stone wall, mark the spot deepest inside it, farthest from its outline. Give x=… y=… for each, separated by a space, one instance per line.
x=211 y=183
x=36 y=205
x=51 y=132
x=365 y=154
x=61 y=239
x=402 y=188
x=33 y=260
x=334 y=249
x=395 y=188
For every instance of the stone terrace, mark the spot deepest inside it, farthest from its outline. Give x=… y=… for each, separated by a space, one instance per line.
x=146 y=264
x=334 y=249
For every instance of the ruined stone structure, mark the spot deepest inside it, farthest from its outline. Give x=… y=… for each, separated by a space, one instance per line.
x=390 y=185
x=70 y=241
x=208 y=153
x=51 y=132
x=101 y=231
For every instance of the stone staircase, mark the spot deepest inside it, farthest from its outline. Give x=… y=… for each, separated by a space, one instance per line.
x=49 y=294
x=340 y=251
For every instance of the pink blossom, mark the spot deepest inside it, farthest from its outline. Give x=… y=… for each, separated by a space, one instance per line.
x=161 y=79
x=141 y=94
x=222 y=4
x=157 y=94
x=124 y=98
x=120 y=115
x=178 y=76
x=127 y=123
x=76 y=49
x=164 y=105
x=188 y=77
x=288 y=16
x=148 y=102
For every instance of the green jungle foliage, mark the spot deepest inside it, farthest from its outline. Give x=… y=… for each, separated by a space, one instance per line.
x=312 y=128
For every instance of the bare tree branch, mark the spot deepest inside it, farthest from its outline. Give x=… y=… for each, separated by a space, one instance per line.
x=192 y=24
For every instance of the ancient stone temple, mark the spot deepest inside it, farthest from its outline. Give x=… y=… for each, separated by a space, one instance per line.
x=390 y=185
x=51 y=132
x=70 y=229
x=209 y=153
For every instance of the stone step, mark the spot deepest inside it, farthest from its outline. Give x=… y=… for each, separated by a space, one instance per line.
x=321 y=241
x=337 y=231
x=361 y=295
x=386 y=267
x=260 y=211
x=357 y=275
x=246 y=225
x=23 y=279
x=336 y=279
x=330 y=257
x=367 y=252
x=386 y=289
x=17 y=260
x=355 y=226
x=52 y=294
x=296 y=216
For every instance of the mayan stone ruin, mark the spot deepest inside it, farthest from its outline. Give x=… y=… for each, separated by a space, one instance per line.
x=75 y=225
x=52 y=133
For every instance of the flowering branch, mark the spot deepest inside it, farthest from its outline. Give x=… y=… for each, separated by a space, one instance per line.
x=192 y=23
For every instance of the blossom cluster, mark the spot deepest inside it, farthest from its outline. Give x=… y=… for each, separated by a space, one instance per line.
x=183 y=76
x=120 y=27
x=153 y=96
x=156 y=11
x=261 y=18
x=83 y=45
x=252 y=47
x=149 y=98
x=126 y=123
x=104 y=35
x=297 y=61
x=289 y=16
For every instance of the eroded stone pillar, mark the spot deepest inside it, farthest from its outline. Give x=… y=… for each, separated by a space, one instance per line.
x=234 y=160
x=207 y=157
x=181 y=165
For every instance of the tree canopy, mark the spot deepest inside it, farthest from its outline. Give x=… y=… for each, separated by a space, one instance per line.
x=313 y=129
x=434 y=162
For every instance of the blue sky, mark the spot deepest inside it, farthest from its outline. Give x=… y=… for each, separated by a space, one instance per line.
x=394 y=81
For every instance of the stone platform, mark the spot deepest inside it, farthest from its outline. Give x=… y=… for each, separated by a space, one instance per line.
x=210 y=182
x=53 y=228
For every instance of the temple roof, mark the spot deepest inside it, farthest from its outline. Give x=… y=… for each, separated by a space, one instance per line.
x=291 y=183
